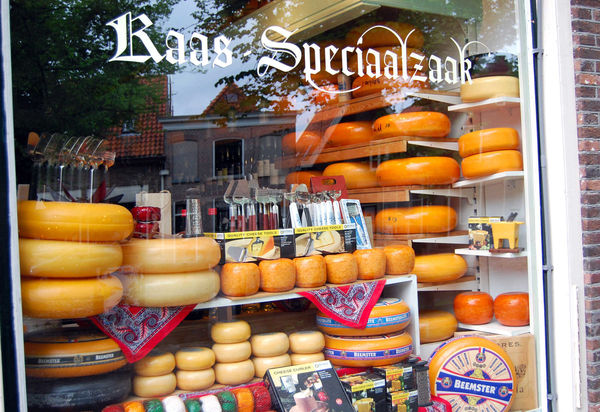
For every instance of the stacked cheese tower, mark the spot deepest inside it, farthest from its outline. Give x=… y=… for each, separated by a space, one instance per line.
x=306 y=346
x=194 y=368
x=232 y=352
x=270 y=350
x=154 y=375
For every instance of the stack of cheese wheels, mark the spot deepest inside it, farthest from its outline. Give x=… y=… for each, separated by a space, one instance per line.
x=277 y=275
x=154 y=375
x=427 y=170
x=232 y=352
x=170 y=271
x=416 y=219
x=489 y=151
x=306 y=347
x=418 y=124
x=356 y=174
x=270 y=350
x=439 y=267
x=67 y=254
x=194 y=368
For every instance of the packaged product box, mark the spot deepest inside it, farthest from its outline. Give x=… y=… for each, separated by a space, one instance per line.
x=480 y=232
x=310 y=387
x=403 y=401
x=255 y=245
x=318 y=240
x=366 y=390
x=398 y=377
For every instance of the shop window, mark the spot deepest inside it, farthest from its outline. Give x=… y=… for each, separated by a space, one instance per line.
x=185 y=162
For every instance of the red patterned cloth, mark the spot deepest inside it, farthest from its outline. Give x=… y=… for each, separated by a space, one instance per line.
x=138 y=330
x=350 y=305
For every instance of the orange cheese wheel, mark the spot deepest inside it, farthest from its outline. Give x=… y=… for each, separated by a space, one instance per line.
x=302 y=358
x=244 y=399
x=307 y=341
x=387 y=60
x=195 y=380
x=439 y=267
x=341 y=268
x=194 y=358
x=154 y=386
x=377 y=37
x=311 y=271
x=269 y=344
x=490 y=87
x=80 y=222
x=429 y=170
x=400 y=259
x=417 y=219
x=235 y=373
x=298 y=143
x=421 y=124
x=367 y=351
x=301 y=177
x=486 y=164
x=474 y=308
x=155 y=364
x=232 y=352
x=69 y=298
x=261 y=365
x=371 y=263
x=436 y=325
x=240 y=279
x=133 y=406
x=366 y=85
x=277 y=275
x=357 y=175
x=512 y=309
x=230 y=332
x=348 y=133
x=488 y=140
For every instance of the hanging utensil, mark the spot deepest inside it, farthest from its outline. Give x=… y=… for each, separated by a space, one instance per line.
x=228 y=199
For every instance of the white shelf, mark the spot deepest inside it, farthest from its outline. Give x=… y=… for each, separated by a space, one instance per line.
x=487 y=253
x=489 y=104
x=435 y=145
x=442 y=98
x=495 y=178
x=448 y=240
x=497 y=328
x=465 y=283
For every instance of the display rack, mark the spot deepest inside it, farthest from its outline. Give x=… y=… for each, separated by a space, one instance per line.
x=487 y=253
x=495 y=178
x=485 y=105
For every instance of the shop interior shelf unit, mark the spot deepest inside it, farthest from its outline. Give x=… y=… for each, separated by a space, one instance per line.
x=487 y=253
x=485 y=105
x=497 y=177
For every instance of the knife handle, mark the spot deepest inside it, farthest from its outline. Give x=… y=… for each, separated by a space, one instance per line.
x=275 y=217
x=232 y=218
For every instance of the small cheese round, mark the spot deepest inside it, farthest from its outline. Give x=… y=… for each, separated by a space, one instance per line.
x=194 y=358
x=301 y=358
x=341 y=268
x=371 y=263
x=262 y=398
x=230 y=332
x=172 y=404
x=195 y=380
x=155 y=364
x=232 y=352
x=240 y=279
x=133 y=406
x=311 y=271
x=210 y=403
x=154 y=386
x=277 y=275
x=193 y=405
x=307 y=341
x=228 y=401
x=234 y=373
x=244 y=399
x=270 y=344
x=400 y=259
x=261 y=365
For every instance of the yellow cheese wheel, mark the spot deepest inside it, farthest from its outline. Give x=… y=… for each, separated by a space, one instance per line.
x=307 y=341
x=377 y=37
x=232 y=352
x=436 y=325
x=429 y=170
x=69 y=298
x=417 y=219
x=488 y=140
x=64 y=259
x=400 y=259
x=357 y=175
x=486 y=164
x=369 y=350
x=173 y=255
x=365 y=85
x=490 y=87
x=301 y=177
x=300 y=143
x=341 y=268
x=302 y=358
x=84 y=222
x=261 y=365
x=155 y=364
x=154 y=386
x=387 y=60
x=235 y=373
x=269 y=344
x=439 y=267
x=194 y=358
x=240 y=279
x=420 y=124
x=230 y=332
x=348 y=133
x=311 y=271
x=371 y=263
x=196 y=380
x=277 y=275
x=172 y=289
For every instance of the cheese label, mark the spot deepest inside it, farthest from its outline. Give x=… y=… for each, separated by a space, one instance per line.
x=74 y=360
x=368 y=354
x=371 y=323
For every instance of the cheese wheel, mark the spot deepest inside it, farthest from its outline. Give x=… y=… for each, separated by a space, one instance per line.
x=400 y=259
x=277 y=275
x=227 y=401
x=153 y=405
x=307 y=341
x=269 y=344
x=488 y=140
x=155 y=364
x=389 y=315
x=133 y=406
x=421 y=124
x=512 y=309
x=378 y=37
x=154 y=386
x=262 y=398
x=79 y=222
x=371 y=263
x=300 y=143
x=436 y=325
x=341 y=268
x=439 y=267
x=71 y=352
x=64 y=259
x=366 y=85
x=244 y=399
x=172 y=255
x=301 y=177
x=367 y=351
x=302 y=358
x=261 y=365
x=473 y=373
x=388 y=60
x=240 y=279
x=232 y=352
x=348 y=133
x=195 y=380
x=69 y=298
x=474 y=308
x=194 y=358
x=174 y=289
x=234 y=373
x=429 y=170
x=416 y=219
x=230 y=332
x=357 y=175
x=489 y=163
x=210 y=403
x=192 y=405
x=311 y=271
x=490 y=87
x=172 y=404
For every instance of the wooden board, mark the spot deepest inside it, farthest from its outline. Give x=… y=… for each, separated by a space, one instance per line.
x=388 y=194
x=382 y=239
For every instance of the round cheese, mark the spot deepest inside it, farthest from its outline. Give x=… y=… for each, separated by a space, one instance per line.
x=474 y=308
x=420 y=124
x=192 y=405
x=262 y=399
x=64 y=259
x=366 y=85
x=194 y=358
x=196 y=380
x=155 y=364
x=348 y=133
x=436 y=325
x=367 y=351
x=490 y=87
x=341 y=268
x=371 y=263
x=307 y=341
x=173 y=404
x=388 y=60
x=153 y=405
x=261 y=365
x=244 y=399
x=227 y=401
x=400 y=259
x=270 y=344
x=230 y=332
x=69 y=298
x=79 y=222
x=234 y=373
x=428 y=170
x=357 y=175
x=277 y=275
x=416 y=219
x=512 y=309
x=210 y=403
x=232 y=352
x=154 y=386
x=488 y=140
x=300 y=143
x=133 y=406
x=240 y=279
x=439 y=267
x=174 y=289
x=302 y=358
x=377 y=37
x=301 y=177
x=311 y=271
x=473 y=373
x=489 y=163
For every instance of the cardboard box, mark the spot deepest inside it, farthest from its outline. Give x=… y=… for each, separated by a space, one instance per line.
x=256 y=245
x=367 y=391
x=403 y=401
x=480 y=232
x=319 y=240
x=398 y=377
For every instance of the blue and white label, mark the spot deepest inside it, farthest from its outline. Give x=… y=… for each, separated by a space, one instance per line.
x=368 y=354
x=371 y=323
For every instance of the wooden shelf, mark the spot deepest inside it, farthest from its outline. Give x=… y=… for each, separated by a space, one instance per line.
x=497 y=177
x=486 y=105
x=487 y=253
x=391 y=194
x=464 y=283
x=382 y=239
